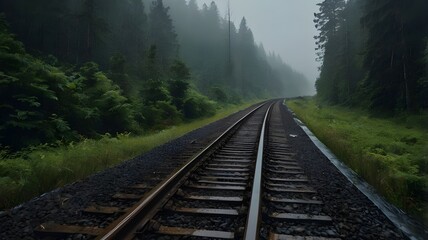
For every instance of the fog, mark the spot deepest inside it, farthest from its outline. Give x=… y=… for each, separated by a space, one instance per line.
x=283 y=26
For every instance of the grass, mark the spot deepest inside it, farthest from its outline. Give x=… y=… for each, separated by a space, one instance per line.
x=389 y=153
x=25 y=176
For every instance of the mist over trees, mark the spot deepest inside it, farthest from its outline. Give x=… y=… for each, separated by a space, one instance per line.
x=243 y=68
x=82 y=68
x=373 y=54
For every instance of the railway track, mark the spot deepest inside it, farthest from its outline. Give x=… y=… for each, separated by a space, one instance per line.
x=292 y=209
x=247 y=184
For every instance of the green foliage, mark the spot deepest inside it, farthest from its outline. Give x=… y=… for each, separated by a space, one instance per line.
x=372 y=54
x=196 y=106
x=45 y=169
x=112 y=111
x=160 y=115
x=118 y=73
x=178 y=90
x=394 y=162
x=162 y=34
x=41 y=104
x=33 y=95
x=180 y=71
x=219 y=94
x=179 y=84
x=154 y=91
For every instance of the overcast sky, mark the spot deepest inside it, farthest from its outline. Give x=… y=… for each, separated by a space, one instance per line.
x=283 y=26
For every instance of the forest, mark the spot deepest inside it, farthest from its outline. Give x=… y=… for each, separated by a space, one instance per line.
x=78 y=69
x=373 y=54
x=371 y=106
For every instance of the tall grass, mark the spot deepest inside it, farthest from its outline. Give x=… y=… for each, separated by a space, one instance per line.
x=24 y=176
x=389 y=153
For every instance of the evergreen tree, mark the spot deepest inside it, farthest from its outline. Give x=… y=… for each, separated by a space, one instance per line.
x=92 y=30
x=119 y=74
x=134 y=36
x=112 y=111
x=179 y=83
x=395 y=45
x=162 y=34
x=327 y=21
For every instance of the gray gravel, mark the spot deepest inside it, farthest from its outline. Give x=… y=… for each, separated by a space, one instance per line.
x=354 y=215
x=65 y=205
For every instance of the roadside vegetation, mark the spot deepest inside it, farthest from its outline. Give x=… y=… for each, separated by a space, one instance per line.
x=29 y=173
x=86 y=84
x=389 y=153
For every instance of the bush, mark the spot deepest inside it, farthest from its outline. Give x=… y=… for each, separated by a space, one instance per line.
x=160 y=115
x=197 y=106
x=219 y=94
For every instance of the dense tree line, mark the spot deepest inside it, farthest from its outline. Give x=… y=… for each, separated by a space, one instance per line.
x=373 y=54
x=91 y=67
x=227 y=58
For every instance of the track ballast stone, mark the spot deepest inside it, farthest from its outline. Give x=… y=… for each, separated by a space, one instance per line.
x=353 y=214
x=66 y=204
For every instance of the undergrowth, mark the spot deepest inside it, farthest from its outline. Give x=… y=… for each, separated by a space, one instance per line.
x=389 y=153
x=24 y=175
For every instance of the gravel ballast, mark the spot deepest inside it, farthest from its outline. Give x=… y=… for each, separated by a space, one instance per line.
x=65 y=205
x=354 y=215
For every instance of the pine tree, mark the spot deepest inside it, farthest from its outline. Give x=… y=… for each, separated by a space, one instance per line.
x=350 y=40
x=92 y=31
x=162 y=34
x=327 y=21
x=179 y=83
x=133 y=40
x=395 y=45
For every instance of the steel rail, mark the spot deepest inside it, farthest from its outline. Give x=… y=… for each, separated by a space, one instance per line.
x=254 y=219
x=137 y=217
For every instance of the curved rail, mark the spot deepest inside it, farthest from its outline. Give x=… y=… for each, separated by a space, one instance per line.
x=253 y=220
x=137 y=217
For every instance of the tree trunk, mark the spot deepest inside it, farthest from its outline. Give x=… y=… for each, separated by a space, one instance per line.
x=406 y=85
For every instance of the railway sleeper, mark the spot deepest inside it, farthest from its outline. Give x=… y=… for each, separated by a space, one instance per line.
x=230 y=161
x=157 y=228
x=237 y=157
x=237 y=151
x=294 y=185
x=108 y=210
x=203 y=211
x=297 y=217
x=220 y=178
x=284 y=171
x=212 y=198
x=217 y=187
x=223 y=183
x=228 y=165
x=58 y=230
x=224 y=174
x=290 y=190
x=275 y=236
x=228 y=169
x=292 y=201
x=275 y=179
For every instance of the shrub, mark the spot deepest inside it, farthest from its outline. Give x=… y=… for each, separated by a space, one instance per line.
x=160 y=115
x=197 y=106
